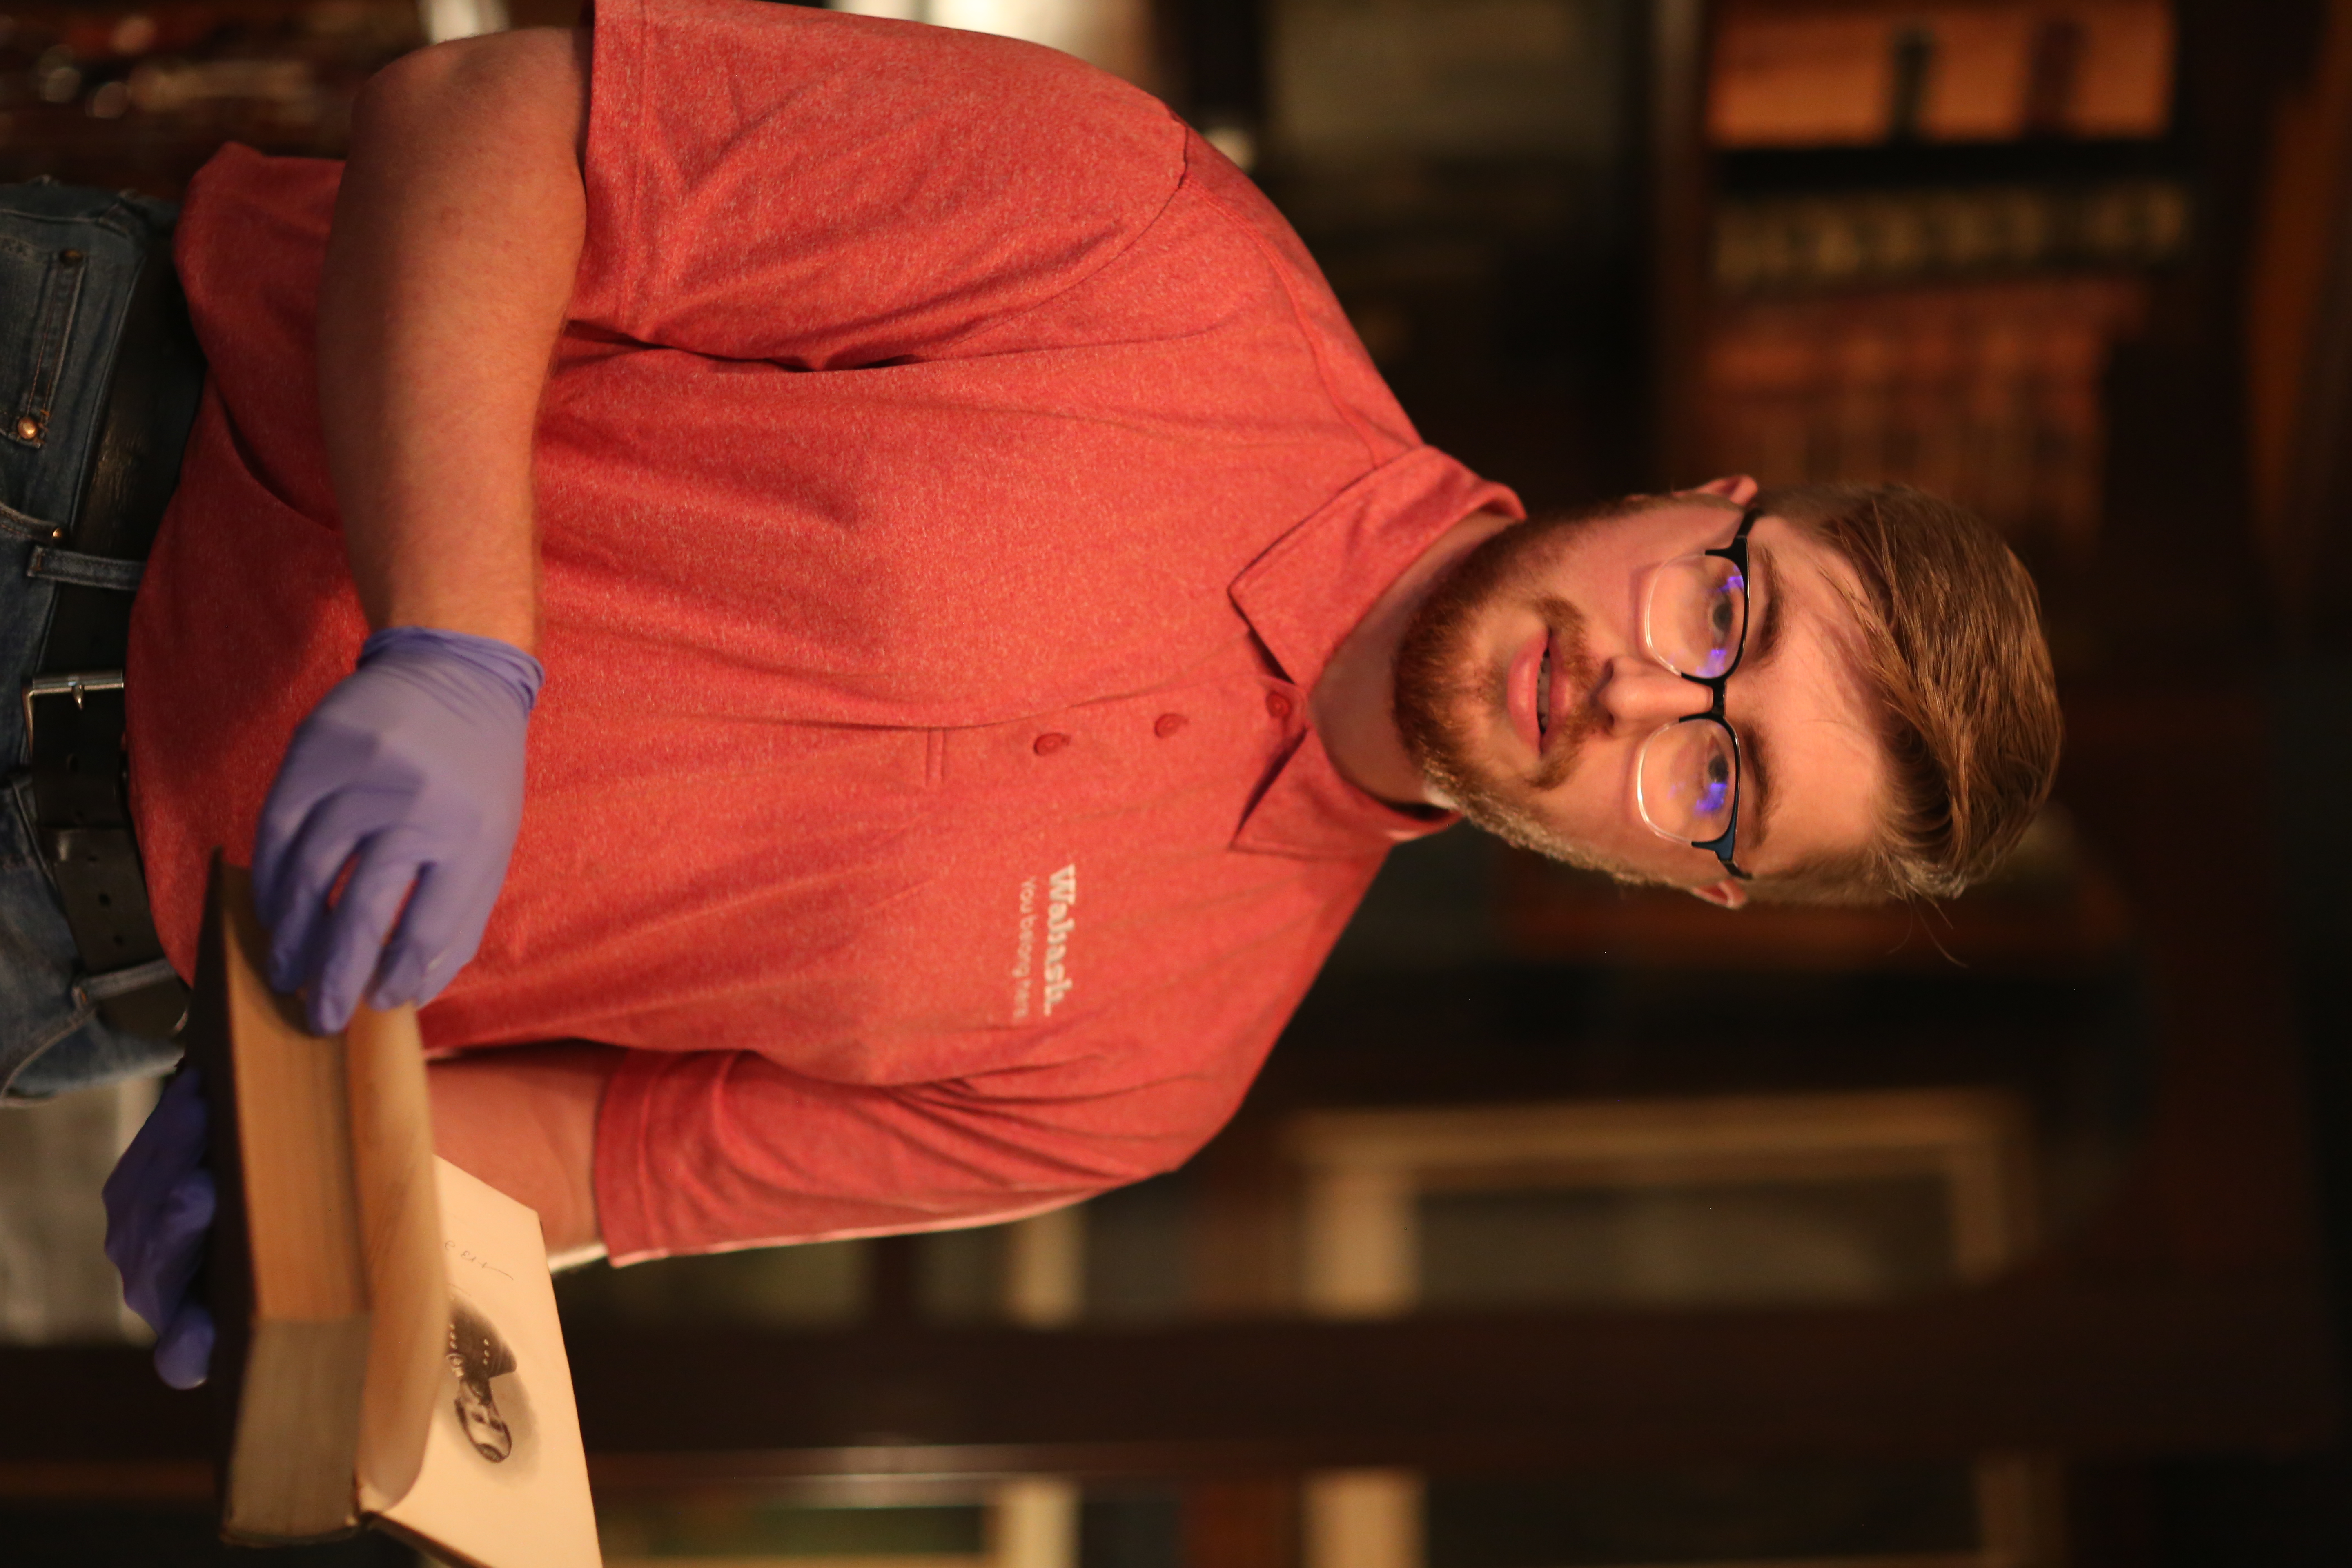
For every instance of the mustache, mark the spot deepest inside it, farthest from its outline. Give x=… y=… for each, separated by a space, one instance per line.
x=1571 y=661
x=1443 y=693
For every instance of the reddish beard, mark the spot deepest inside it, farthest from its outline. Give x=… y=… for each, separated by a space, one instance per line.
x=1450 y=698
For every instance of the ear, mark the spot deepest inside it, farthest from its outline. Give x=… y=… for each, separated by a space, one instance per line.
x=1730 y=893
x=1737 y=489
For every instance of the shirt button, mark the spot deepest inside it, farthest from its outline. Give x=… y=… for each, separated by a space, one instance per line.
x=1167 y=724
x=1278 y=704
x=1049 y=742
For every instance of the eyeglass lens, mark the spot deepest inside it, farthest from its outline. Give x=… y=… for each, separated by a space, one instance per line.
x=1685 y=780
x=1695 y=624
x=1696 y=616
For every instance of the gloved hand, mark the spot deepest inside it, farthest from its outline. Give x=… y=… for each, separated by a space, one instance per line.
x=159 y=1211
x=410 y=774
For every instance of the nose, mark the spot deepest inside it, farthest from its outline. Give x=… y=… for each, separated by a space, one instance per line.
x=1639 y=695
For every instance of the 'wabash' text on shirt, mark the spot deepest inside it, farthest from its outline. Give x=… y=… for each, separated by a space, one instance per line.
x=1061 y=896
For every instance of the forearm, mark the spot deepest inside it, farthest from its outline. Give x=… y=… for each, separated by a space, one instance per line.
x=524 y=1120
x=457 y=238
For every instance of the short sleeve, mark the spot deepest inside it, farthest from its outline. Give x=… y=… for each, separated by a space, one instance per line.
x=820 y=190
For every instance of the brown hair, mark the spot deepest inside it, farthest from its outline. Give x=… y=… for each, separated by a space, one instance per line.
x=1953 y=660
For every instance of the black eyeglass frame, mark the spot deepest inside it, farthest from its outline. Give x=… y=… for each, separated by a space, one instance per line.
x=1724 y=845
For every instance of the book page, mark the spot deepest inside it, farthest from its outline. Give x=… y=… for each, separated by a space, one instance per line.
x=505 y=1479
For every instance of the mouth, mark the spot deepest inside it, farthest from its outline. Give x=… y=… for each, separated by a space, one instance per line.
x=1543 y=697
x=1527 y=692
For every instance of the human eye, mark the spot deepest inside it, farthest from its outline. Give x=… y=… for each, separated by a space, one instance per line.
x=1722 y=617
x=1692 y=621
x=1715 y=788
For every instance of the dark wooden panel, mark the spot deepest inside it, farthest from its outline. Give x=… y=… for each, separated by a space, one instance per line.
x=2039 y=1365
x=2032 y=1365
x=2172 y=784
x=1241 y=1524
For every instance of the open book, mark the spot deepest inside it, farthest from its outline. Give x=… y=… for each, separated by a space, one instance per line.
x=389 y=1351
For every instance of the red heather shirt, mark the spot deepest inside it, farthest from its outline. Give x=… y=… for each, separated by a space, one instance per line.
x=953 y=479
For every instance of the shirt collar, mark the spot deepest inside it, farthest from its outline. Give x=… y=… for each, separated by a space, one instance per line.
x=1305 y=594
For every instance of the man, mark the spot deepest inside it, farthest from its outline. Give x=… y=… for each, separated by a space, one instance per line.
x=994 y=622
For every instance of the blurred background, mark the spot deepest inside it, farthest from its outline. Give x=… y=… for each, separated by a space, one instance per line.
x=1573 y=1227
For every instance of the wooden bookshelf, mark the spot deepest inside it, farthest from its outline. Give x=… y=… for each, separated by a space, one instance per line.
x=137 y=97
x=1921 y=234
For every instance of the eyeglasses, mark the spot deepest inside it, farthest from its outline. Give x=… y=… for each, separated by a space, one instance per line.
x=1695 y=621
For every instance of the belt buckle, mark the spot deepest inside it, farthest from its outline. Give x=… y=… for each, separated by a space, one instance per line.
x=75 y=686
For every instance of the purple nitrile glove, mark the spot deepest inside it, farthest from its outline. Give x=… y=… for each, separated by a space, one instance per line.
x=410 y=774
x=159 y=1213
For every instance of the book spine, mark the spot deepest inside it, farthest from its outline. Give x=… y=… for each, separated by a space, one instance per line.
x=1826 y=74
x=1847 y=239
x=1987 y=393
x=288 y=1303
x=227 y=1275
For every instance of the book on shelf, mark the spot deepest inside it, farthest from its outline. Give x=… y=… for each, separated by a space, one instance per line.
x=1822 y=73
x=389 y=1351
x=1842 y=238
x=1987 y=392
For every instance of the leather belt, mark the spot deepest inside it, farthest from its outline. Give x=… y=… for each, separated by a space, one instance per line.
x=73 y=705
